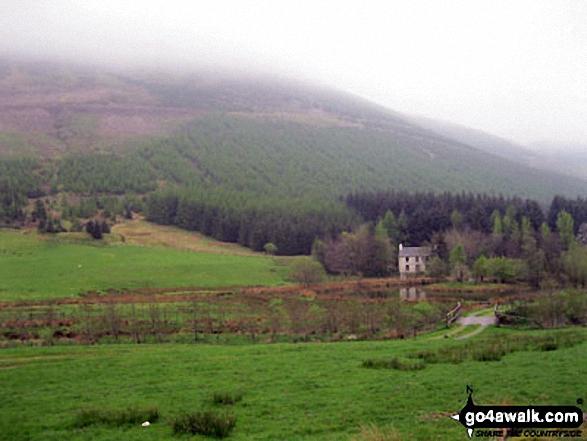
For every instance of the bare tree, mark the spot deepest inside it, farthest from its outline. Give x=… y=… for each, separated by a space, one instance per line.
x=155 y=320
x=113 y=320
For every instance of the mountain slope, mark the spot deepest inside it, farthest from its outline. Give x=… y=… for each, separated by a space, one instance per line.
x=286 y=158
x=98 y=130
x=480 y=140
x=568 y=158
x=564 y=159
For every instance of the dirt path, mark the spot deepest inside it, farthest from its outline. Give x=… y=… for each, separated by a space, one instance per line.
x=474 y=319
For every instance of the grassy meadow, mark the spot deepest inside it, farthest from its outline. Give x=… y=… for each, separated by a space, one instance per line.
x=35 y=268
x=140 y=232
x=315 y=391
x=379 y=390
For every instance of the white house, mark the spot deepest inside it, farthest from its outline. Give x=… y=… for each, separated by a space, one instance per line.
x=412 y=260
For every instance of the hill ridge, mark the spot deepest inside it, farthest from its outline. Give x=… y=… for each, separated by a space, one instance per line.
x=268 y=137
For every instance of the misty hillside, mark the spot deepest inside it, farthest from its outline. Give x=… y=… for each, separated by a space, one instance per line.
x=481 y=140
x=565 y=159
x=570 y=159
x=96 y=130
x=54 y=108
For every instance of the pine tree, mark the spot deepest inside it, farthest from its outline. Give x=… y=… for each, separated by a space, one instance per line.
x=390 y=224
x=40 y=212
x=456 y=219
x=565 y=226
x=402 y=223
x=496 y=224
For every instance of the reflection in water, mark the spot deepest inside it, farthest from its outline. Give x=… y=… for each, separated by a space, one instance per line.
x=412 y=293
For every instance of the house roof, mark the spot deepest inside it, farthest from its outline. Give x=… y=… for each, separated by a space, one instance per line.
x=415 y=251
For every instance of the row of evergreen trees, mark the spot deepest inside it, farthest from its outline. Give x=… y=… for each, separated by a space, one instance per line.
x=12 y=202
x=423 y=214
x=409 y=218
x=577 y=208
x=291 y=225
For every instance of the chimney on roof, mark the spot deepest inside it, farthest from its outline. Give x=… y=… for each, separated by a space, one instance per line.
x=401 y=247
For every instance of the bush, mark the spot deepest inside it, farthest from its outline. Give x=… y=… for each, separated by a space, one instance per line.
x=306 y=271
x=495 y=347
x=270 y=248
x=120 y=417
x=503 y=269
x=395 y=363
x=493 y=352
x=227 y=397
x=551 y=310
x=575 y=265
x=437 y=267
x=207 y=423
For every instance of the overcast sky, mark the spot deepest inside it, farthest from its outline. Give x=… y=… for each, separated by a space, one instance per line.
x=514 y=68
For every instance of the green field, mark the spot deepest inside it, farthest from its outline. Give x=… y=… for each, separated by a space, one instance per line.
x=290 y=392
x=304 y=391
x=35 y=268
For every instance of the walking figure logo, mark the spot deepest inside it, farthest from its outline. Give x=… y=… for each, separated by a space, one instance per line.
x=468 y=406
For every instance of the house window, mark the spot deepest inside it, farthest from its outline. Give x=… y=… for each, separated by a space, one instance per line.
x=407 y=259
x=408 y=268
x=417 y=268
x=417 y=259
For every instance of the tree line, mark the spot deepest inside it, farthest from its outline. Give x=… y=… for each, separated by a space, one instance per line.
x=428 y=213
x=291 y=225
x=212 y=319
x=485 y=237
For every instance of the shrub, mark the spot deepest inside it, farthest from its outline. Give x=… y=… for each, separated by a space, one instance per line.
x=437 y=267
x=504 y=269
x=217 y=424
x=548 y=344
x=226 y=397
x=116 y=417
x=395 y=363
x=270 y=248
x=495 y=347
x=306 y=271
x=487 y=353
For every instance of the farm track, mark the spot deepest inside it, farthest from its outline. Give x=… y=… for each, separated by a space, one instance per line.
x=474 y=319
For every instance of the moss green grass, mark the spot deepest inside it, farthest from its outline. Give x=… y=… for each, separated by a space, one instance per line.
x=33 y=268
x=289 y=392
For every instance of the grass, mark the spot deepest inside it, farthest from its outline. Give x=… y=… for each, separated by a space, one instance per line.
x=466 y=330
x=34 y=268
x=116 y=417
x=495 y=347
x=484 y=312
x=492 y=348
x=469 y=287
x=140 y=232
x=290 y=391
x=208 y=423
x=395 y=363
x=227 y=397
x=374 y=433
